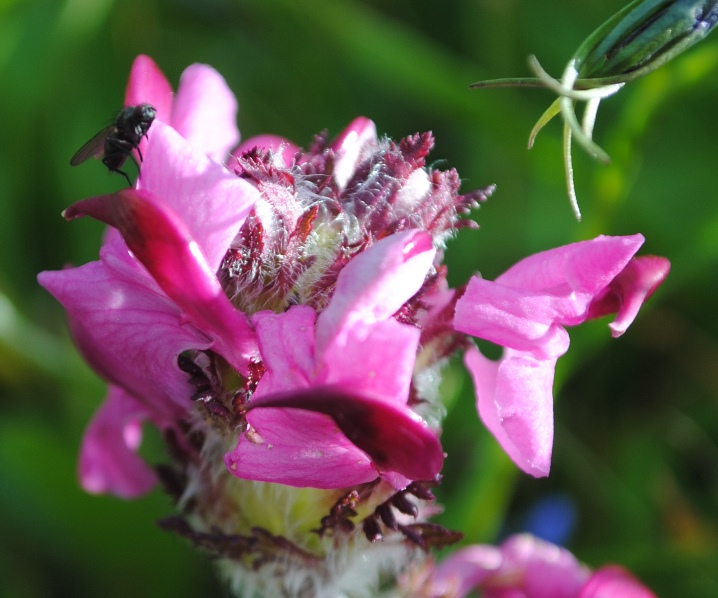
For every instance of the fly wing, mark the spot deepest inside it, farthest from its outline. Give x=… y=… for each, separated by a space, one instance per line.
x=94 y=148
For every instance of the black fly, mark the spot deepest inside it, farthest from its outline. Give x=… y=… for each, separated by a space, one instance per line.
x=115 y=142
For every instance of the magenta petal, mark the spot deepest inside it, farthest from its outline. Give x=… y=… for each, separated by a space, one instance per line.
x=376 y=283
x=128 y=331
x=584 y=268
x=522 y=567
x=278 y=145
x=394 y=437
x=387 y=354
x=465 y=570
x=160 y=240
x=286 y=343
x=525 y=307
x=629 y=290
x=614 y=582
x=108 y=458
x=519 y=319
x=148 y=85
x=205 y=111
x=350 y=147
x=516 y=405
x=299 y=448
x=212 y=202
x=544 y=569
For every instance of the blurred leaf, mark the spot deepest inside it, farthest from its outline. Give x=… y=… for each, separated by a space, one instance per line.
x=637 y=426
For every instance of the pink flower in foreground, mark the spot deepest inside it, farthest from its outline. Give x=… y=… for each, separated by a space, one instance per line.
x=523 y=567
x=525 y=310
x=283 y=319
x=266 y=316
x=314 y=365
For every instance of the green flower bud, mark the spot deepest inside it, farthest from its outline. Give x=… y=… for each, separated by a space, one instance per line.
x=635 y=41
x=643 y=36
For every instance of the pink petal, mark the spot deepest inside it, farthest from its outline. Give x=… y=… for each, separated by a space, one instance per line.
x=386 y=351
x=278 y=145
x=161 y=241
x=299 y=448
x=357 y=326
x=148 y=85
x=546 y=570
x=519 y=319
x=465 y=570
x=108 y=458
x=522 y=567
x=205 y=111
x=629 y=290
x=350 y=147
x=515 y=403
x=585 y=267
x=614 y=582
x=212 y=202
x=395 y=480
x=376 y=283
x=378 y=359
x=524 y=306
x=394 y=437
x=128 y=331
x=286 y=343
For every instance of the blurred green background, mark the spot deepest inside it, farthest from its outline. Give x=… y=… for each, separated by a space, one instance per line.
x=636 y=451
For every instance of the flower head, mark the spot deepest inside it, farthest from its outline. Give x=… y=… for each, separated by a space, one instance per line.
x=282 y=316
x=525 y=311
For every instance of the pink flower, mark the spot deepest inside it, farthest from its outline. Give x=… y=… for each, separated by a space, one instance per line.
x=353 y=362
x=284 y=317
x=525 y=311
x=527 y=567
x=202 y=249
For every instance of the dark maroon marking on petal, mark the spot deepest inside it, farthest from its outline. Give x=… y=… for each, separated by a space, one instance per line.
x=394 y=437
x=99 y=208
x=157 y=237
x=162 y=243
x=304 y=224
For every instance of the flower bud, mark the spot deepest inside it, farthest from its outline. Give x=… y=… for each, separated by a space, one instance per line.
x=643 y=36
x=635 y=41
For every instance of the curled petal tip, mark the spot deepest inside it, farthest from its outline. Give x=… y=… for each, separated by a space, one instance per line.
x=625 y=295
x=393 y=436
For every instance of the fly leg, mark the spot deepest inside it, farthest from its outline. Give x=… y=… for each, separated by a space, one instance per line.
x=116 y=152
